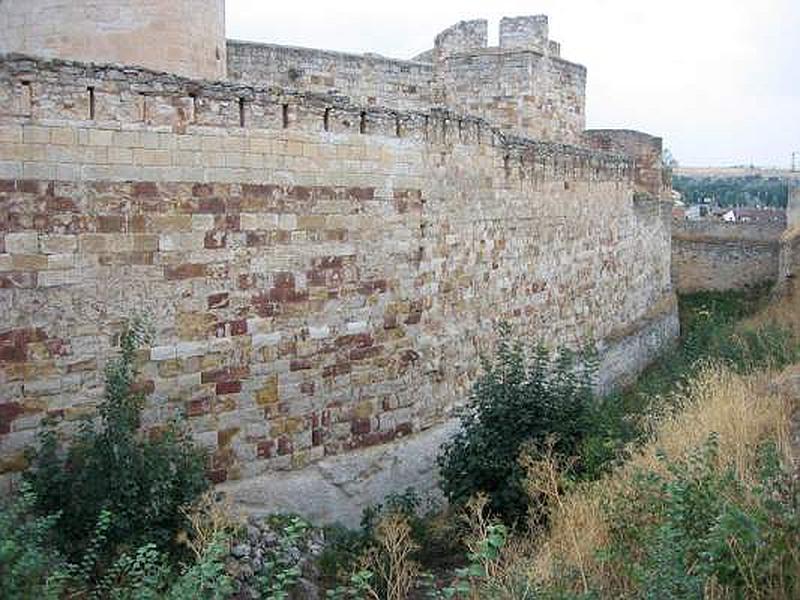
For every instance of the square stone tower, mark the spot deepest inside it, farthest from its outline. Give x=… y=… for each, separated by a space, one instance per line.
x=185 y=37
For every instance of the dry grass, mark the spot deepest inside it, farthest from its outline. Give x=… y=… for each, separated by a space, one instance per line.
x=784 y=311
x=739 y=410
x=391 y=560
x=211 y=518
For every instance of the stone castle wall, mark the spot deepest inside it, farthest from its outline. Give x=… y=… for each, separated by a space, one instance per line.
x=521 y=86
x=368 y=80
x=713 y=255
x=321 y=277
x=186 y=37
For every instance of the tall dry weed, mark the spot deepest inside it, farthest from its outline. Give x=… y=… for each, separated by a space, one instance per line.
x=741 y=411
x=391 y=560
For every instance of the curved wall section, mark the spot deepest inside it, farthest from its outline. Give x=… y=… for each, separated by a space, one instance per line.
x=186 y=37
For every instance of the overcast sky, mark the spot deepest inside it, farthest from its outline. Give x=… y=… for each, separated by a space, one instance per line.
x=719 y=80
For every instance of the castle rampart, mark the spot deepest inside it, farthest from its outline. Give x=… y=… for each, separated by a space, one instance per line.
x=321 y=276
x=186 y=37
x=521 y=86
x=713 y=255
x=366 y=79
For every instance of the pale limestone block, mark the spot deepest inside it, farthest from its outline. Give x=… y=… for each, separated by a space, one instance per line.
x=38 y=171
x=22 y=243
x=32 y=134
x=202 y=222
x=188 y=349
x=62 y=278
x=159 y=353
x=266 y=339
x=10 y=134
x=258 y=221
x=181 y=241
x=100 y=137
x=287 y=222
x=126 y=139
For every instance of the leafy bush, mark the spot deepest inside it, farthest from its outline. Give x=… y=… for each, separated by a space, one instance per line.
x=140 y=480
x=699 y=526
x=26 y=559
x=524 y=397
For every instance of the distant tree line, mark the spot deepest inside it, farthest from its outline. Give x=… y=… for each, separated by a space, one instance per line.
x=750 y=190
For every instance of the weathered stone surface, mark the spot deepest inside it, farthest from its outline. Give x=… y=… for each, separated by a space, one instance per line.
x=179 y=36
x=712 y=255
x=339 y=488
x=321 y=276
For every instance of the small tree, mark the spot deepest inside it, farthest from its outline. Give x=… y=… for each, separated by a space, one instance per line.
x=113 y=467
x=524 y=397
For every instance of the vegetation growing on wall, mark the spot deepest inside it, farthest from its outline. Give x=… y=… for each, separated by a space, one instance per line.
x=680 y=486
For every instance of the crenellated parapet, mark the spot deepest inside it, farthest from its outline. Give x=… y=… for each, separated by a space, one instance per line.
x=54 y=92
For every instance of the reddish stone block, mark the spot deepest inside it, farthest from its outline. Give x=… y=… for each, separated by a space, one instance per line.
x=284 y=446
x=57 y=347
x=146 y=386
x=413 y=318
x=202 y=190
x=336 y=235
x=247 y=281
x=229 y=373
x=264 y=306
x=220 y=300
x=196 y=408
x=215 y=239
x=258 y=190
x=403 y=429
x=365 y=353
x=299 y=192
x=218 y=475
x=185 y=271
x=307 y=388
x=228 y=387
x=211 y=205
x=357 y=193
x=18 y=279
x=265 y=449
x=8 y=185
x=359 y=340
x=370 y=287
x=12 y=354
x=28 y=186
x=238 y=327
x=409 y=356
x=287 y=295
x=110 y=224
x=300 y=365
x=337 y=370
x=256 y=239
x=145 y=189
x=137 y=224
x=61 y=204
x=8 y=412
x=360 y=426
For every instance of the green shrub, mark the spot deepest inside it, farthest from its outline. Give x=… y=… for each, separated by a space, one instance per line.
x=700 y=526
x=524 y=397
x=27 y=560
x=140 y=480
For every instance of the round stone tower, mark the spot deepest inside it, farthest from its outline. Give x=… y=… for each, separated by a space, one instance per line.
x=185 y=37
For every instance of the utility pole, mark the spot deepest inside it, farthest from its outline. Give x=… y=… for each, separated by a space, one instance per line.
x=794 y=161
